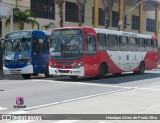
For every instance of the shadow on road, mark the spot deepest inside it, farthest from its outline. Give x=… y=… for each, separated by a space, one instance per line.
x=112 y=79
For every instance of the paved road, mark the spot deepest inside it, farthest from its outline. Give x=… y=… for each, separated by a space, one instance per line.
x=128 y=93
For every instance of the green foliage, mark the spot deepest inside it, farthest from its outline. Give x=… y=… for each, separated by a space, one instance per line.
x=22 y=17
x=47 y=26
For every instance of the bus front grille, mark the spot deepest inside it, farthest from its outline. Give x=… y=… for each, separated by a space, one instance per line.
x=63 y=71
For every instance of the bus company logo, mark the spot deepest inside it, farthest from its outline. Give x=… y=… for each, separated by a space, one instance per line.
x=16 y=57
x=19 y=102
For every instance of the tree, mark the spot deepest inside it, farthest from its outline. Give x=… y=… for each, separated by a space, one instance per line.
x=22 y=17
x=80 y=4
x=107 y=5
x=47 y=26
x=60 y=6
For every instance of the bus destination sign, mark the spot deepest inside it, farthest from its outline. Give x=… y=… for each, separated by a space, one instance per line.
x=66 y=32
x=18 y=34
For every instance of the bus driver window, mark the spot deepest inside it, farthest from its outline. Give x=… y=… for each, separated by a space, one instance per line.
x=36 y=45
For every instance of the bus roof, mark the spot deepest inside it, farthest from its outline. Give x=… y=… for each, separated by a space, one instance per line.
x=99 y=30
x=25 y=33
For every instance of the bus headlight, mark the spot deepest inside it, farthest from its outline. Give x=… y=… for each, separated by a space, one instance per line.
x=29 y=61
x=80 y=64
x=51 y=64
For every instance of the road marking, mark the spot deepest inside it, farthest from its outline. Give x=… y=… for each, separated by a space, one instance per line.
x=152 y=89
x=2 y=108
x=83 y=83
x=86 y=97
x=66 y=121
x=74 y=99
x=154 y=107
x=99 y=84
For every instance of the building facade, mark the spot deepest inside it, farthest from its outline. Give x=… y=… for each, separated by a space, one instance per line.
x=47 y=11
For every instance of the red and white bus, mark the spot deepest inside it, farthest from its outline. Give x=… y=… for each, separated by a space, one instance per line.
x=86 y=51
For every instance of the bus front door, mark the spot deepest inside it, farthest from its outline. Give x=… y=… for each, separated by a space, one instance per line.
x=90 y=56
x=40 y=56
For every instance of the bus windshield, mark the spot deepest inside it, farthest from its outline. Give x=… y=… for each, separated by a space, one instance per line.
x=69 y=47
x=16 y=49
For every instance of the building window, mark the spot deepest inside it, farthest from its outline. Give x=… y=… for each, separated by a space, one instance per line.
x=125 y=21
x=150 y=25
x=43 y=8
x=71 y=13
x=135 y=22
x=115 y=18
x=100 y=17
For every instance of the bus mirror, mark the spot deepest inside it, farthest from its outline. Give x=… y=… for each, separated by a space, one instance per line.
x=1 y=42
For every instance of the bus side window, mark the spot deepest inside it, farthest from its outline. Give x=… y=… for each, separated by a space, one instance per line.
x=90 y=45
x=47 y=42
x=154 y=45
x=133 y=44
x=112 y=42
x=123 y=43
x=39 y=45
x=149 y=45
x=141 y=44
x=102 y=41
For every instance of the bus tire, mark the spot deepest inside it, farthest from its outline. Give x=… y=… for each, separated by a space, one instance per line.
x=46 y=75
x=73 y=77
x=26 y=76
x=141 y=68
x=102 y=71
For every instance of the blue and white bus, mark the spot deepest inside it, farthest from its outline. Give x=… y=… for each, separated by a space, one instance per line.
x=26 y=53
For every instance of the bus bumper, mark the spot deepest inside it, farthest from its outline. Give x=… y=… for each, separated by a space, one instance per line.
x=25 y=70
x=67 y=72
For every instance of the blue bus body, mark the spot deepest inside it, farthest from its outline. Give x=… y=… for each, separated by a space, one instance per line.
x=26 y=53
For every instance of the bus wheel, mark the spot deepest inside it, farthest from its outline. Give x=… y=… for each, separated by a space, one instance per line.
x=102 y=71
x=26 y=76
x=47 y=75
x=73 y=77
x=141 y=68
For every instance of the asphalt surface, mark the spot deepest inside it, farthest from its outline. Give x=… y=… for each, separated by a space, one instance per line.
x=123 y=94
